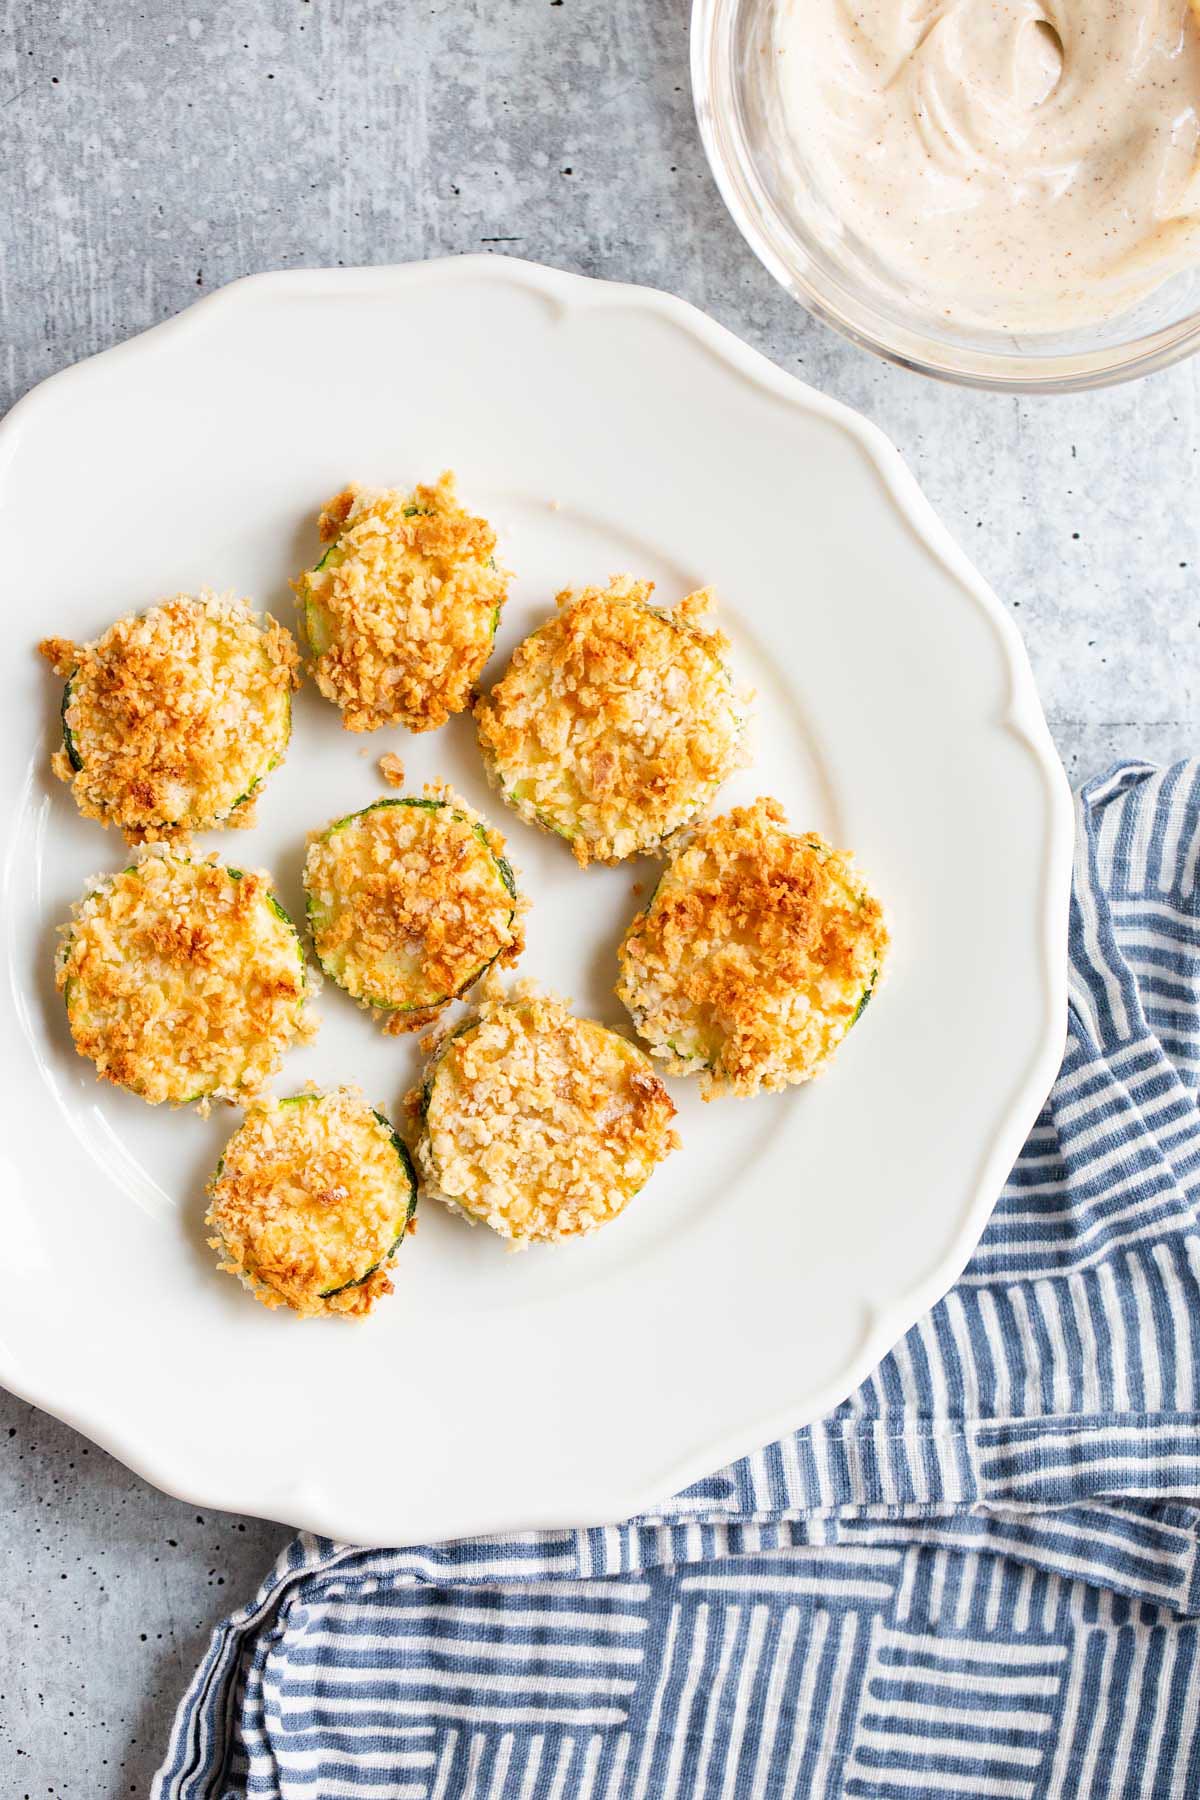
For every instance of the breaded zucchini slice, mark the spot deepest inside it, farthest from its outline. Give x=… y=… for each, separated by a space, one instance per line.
x=615 y=722
x=539 y=1123
x=173 y=719
x=409 y=902
x=184 y=980
x=401 y=610
x=756 y=954
x=310 y=1202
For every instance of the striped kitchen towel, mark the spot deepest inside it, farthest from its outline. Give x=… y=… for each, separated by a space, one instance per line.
x=978 y=1578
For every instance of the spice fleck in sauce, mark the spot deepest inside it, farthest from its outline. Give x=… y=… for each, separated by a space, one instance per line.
x=1015 y=163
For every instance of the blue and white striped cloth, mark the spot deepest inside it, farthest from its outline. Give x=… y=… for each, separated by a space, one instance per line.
x=976 y=1580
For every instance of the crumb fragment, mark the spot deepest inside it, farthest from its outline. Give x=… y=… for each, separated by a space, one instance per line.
x=392 y=769
x=60 y=653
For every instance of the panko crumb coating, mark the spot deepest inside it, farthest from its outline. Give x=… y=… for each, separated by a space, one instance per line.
x=401 y=611
x=173 y=718
x=615 y=722
x=541 y=1124
x=756 y=954
x=410 y=902
x=183 y=980
x=311 y=1200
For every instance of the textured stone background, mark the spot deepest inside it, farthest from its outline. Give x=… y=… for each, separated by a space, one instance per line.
x=152 y=152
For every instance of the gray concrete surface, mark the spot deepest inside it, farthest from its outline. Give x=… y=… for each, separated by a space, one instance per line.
x=151 y=152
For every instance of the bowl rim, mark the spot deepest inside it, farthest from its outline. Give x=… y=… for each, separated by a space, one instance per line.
x=757 y=218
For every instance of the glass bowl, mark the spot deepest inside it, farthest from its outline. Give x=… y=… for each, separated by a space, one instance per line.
x=819 y=263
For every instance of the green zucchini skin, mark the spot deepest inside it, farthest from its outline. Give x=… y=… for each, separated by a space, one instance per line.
x=502 y=863
x=69 y=745
x=467 y=1025
x=316 y=630
x=401 y=1149
x=410 y=1175
x=273 y=764
x=503 y=866
x=318 y=637
x=281 y=912
x=861 y=1008
x=517 y=800
x=820 y=852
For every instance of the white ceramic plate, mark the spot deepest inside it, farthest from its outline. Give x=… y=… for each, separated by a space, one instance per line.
x=778 y=1255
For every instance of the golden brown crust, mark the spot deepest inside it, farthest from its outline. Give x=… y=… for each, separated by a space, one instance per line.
x=60 y=653
x=331 y=520
x=405 y=894
x=182 y=983
x=615 y=721
x=405 y=1024
x=753 y=956
x=408 y=596
x=309 y=1193
x=539 y=1123
x=175 y=714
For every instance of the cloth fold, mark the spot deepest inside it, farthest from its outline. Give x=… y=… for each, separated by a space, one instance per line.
x=978 y=1577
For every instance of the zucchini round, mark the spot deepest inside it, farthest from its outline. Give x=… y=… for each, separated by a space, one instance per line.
x=538 y=1123
x=183 y=980
x=756 y=953
x=311 y=1201
x=410 y=902
x=615 y=722
x=401 y=611
x=173 y=719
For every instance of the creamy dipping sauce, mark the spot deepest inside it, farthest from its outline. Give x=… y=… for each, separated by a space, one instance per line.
x=1015 y=163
